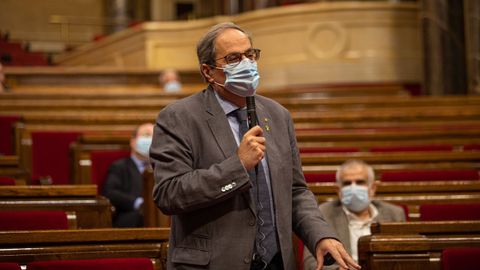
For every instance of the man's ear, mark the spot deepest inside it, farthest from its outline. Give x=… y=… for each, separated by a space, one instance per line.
x=206 y=73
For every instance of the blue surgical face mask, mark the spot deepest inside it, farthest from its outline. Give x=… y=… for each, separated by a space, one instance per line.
x=355 y=198
x=172 y=86
x=242 y=79
x=143 y=145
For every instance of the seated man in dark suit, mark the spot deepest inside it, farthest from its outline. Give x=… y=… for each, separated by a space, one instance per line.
x=123 y=186
x=354 y=211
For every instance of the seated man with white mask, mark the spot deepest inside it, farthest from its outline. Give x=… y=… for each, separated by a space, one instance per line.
x=123 y=186
x=354 y=211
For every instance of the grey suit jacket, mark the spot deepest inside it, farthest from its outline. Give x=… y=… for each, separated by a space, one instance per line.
x=202 y=183
x=336 y=217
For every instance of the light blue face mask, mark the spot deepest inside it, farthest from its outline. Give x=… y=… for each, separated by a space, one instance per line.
x=355 y=198
x=172 y=86
x=143 y=145
x=242 y=79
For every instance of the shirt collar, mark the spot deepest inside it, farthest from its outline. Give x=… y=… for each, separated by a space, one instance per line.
x=353 y=217
x=226 y=105
x=141 y=164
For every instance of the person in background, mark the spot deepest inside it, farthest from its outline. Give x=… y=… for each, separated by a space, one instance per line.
x=235 y=194
x=355 y=209
x=170 y=81
x=123 y=186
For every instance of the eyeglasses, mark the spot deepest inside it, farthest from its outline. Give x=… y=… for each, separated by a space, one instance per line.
x=235 y=58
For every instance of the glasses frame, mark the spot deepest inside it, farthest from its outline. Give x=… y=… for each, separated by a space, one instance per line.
x=251 y=50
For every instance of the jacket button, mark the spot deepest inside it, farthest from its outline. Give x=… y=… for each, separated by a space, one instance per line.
x=246 y=260
x=251 y=223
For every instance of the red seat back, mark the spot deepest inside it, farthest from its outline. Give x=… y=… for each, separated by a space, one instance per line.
x=411 y=148
x=51 y=156
x=304 y=150
x=33 y=220
x=7 y=143
x=319 y=177
x=9 y=266
x=464 y=258
x=429 y=175
x=101 y=161
x=94 y=264
x=7 y=181
x=438 y=212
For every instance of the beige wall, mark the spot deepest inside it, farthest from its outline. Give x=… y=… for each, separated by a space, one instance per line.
x=30 y=19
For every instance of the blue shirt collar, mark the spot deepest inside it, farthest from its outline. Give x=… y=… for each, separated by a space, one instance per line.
x=139 y=163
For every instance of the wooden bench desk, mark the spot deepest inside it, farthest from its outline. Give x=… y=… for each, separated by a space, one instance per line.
x=28 y=246
x=322 y=159
x=414 y=246
x=92 y=211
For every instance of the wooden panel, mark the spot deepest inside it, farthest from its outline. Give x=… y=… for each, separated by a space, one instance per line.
x=27 y=246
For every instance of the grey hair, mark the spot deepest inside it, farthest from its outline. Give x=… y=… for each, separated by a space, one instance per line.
x=206 y=45
x=353 y=163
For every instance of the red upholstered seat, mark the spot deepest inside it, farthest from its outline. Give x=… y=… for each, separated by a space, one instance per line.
x=429 y=175
x=319 y=177
x=437 y=212
x=7 y=181
x=464 y=258
x=411 y=148
x=51 y=156
x=101 y=161
x=300 y=247
x=33 y=220
x=94 y=264
x=304 y=150
x=9 y=266
x=7 y=143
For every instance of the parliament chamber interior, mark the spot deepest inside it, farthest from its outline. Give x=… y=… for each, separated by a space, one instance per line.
x=393 y=83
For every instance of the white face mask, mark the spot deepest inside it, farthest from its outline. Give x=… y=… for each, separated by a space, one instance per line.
x=355 y=198
x=143 y=145
x=241 y=79
x=172 y=86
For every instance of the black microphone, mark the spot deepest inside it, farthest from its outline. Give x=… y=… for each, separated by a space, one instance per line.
x=251 y=115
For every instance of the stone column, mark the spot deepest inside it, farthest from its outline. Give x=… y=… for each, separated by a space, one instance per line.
x=444 y=47
x=472 y=35
x=117 y=15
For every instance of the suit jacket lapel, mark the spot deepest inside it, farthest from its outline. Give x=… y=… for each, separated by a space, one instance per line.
x=264 y=121
x=222 y=133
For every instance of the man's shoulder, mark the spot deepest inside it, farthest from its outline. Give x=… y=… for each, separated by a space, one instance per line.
x=268 y=102
x=330 y=206
x=187 y=101
x=121 y=163
x=386 y=208
x=386 y=205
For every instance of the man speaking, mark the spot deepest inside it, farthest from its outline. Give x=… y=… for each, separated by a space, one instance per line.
x=235 y=194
